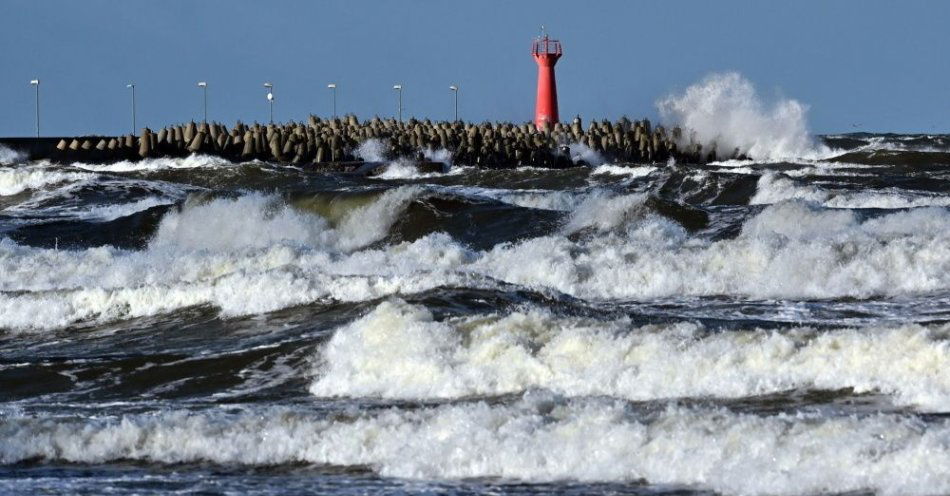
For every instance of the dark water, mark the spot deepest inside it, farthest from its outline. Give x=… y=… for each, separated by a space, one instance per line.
x=198 y=326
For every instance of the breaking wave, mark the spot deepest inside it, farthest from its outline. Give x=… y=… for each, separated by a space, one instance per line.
x=255 y=253
x=539 y=438
x=10 y=156
x=774 y=187
x=724 y=111
x=616 y=170
x=246 y=255
x=194 y=161
x=400 y=351
x=24 y=178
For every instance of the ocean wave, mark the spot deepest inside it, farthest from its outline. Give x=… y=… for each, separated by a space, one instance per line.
x=558 y=200
x=775 y=187
x=910 y=143
x=110 y=198
x=535 y=439
x=10 y=156
x=404 y=168
x=246 y=255
x=23 y=178
x=193 y=161
x=724 y=112
x=616 y=170
x=399 y=350
x=790 y=250
x=255 y=254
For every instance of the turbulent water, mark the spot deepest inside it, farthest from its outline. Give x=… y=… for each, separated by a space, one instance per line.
x=754 y=327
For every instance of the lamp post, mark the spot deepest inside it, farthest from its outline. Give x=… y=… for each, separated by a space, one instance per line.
x=332 y=87
x=204 y=86
x=36 y=83
x=270 y=98
x=455 y=89
x=132 y=87
x=398 y=88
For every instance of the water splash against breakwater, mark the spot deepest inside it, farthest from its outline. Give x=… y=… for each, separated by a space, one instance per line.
x=725 y=110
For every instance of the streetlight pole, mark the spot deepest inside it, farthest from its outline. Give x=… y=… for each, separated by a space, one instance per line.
x=332 y=87
x=398 y=88
x=36 y=83
x=455 y=89
x=132 y=86
x=204 y=86
x=270 y=98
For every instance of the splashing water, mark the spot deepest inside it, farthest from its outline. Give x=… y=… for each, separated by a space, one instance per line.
x=581 y=152
x=9 y=156
x=371 y=150
x=724 y=110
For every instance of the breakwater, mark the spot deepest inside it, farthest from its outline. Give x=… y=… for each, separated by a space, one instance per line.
x=334 y=144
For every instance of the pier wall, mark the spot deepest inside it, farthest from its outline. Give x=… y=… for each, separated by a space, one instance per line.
x=331 y=143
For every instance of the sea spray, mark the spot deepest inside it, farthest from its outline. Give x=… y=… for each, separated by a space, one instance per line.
x=581 y=153
x=725 y=111
x=371 y=150
x=9 y=156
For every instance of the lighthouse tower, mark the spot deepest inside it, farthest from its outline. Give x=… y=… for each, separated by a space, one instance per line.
x=546 y=52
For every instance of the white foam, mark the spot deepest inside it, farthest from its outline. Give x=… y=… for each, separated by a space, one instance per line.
x=605 y=211
x=560 y=200
x=105 y=213
x=888 y=144
x=540 y=199
x=256 y=221
x=775 y=187
x=194 y=161
x=255 y=255
x=403 y=168
x=581 y=152
x=536 y=439
x=616 y=170
x=247 y=255
x=60 y=202
x=438 y=155
x=371 y=150
x=724 y=109
x=23 y=178
x=10 y=156
x=400 y=351
x=252 y=221
x=653 y=257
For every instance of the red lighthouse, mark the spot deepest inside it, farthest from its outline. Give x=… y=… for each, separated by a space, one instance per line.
x=546 y=52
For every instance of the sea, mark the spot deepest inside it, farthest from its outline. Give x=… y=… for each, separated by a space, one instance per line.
x=765 y=326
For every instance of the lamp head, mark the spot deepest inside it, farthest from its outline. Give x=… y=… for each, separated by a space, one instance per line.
x=397 y=87
x=202 y=84
x=35 y=82
x=331 y=85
